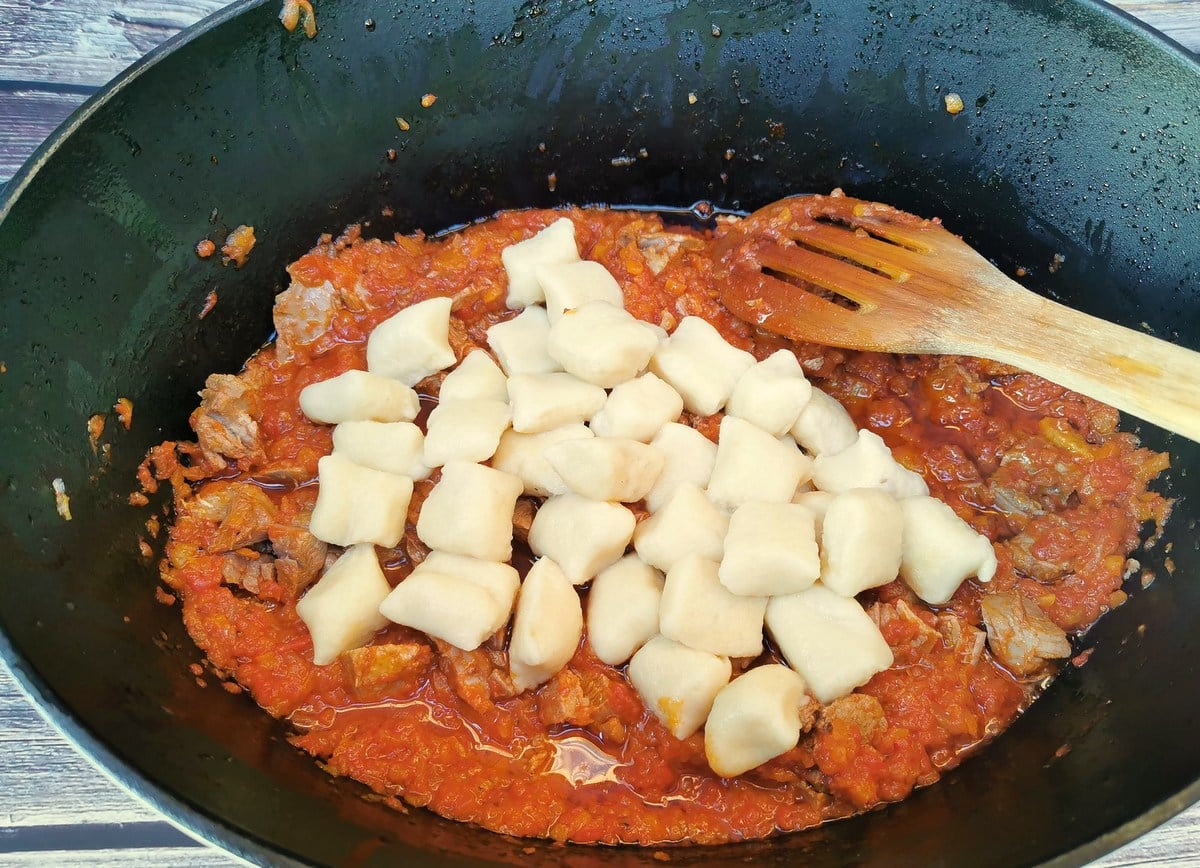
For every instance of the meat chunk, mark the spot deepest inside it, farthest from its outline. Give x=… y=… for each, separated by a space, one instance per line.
x=580 y=699
x=523 y=514
x=248 y=570
x=224 y=422
x=858 y=710
x=299 y=556
x=1034 y=557
x=965 y=640
x=375 y=667
x=302 y=314
x=249 y=513
x=479 y=677
x=1020 y=634
x=659 y=248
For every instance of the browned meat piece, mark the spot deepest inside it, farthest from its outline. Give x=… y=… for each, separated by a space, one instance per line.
x=659 y=248
x=580 y=700
x=299 y=556
x=523 y=519
x=965 y=640
x=920 y=635
x=479 y=677
x=248 y=571
x=414 y=550
x=460 y=340
x=1020 y=634
x=859 y=710
x=224 y=421
x=1032 y=549
x=248 y=514
x=375 y=667
x=302 y=314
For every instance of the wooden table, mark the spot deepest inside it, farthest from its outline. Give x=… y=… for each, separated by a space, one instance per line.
x=55 y=808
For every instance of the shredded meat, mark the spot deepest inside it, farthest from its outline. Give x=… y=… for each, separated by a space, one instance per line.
x=959 y=636
x=224 y=421
x=859 y=710
x=580 y=700
x=304 y=313
x=299 y=556
x=248 y=569
x=659 y=248
x=248 y=514
x=1020 y=634
x=1032 y=562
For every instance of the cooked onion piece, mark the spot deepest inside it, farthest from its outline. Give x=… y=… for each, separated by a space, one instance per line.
x=583 y=536
x=638 y=409
x=823 y=426
x=547 y=627
x=860 y=541
x=606 y=468
x=688 y=524
x=755 y=718
x=700 y=365
x=698 y=611
x=467 y=430
x=544 y=401
x=520 y=343
x=622 y=609
x=524 y=456
x=689 y=457
x=678 y=684
x=940 y=550
x=356 y=504
x=393 y=447
x=413 y=343
x=476 y=377
x=555 y=243
x=359 y=396
x=341 y=610
x=460 y=600
x=571 y=285
x=866 y=463
x=828 y=639
x=469 y=512
x=771 y=548
x=771 y=394
x=601 y=344
x=753 y=465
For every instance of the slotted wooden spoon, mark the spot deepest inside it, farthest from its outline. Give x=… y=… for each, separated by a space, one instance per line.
x=849 y=273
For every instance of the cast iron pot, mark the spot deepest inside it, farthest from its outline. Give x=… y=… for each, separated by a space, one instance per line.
x=1080 y=138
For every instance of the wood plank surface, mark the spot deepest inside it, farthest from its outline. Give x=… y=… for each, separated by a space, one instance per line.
x=55 y=808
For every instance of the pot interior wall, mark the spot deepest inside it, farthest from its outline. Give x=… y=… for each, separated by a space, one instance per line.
x=1076 y=141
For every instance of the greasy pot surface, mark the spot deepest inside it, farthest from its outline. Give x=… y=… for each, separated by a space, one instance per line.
x=1080 y=138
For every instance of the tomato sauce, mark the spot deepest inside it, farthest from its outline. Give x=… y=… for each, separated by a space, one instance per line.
x=1044 y=473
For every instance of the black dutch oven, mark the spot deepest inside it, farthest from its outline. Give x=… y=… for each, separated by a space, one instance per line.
x=1080 y=137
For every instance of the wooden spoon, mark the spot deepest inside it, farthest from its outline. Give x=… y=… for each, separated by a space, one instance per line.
x=849 y=273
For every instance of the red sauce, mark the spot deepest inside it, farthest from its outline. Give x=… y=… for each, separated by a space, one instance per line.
x=1043 y=472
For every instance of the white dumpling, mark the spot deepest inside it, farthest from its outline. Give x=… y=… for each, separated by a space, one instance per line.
x=469 y=512
x=520 y=343
x=359 y=396
x=823 y=426
x=583 y=536
x=457 y=599
x=393 y=447
x=678 y=684
x=700 y=365
x=687 y=524
x=555 y=243
x=476 y=377
x=622 y=609
x=547 y=627
x=465 y=430
x=606 y=468
x=866 y=463
x=698 y=611
x=755 y=718
x=524 y=456
x=771 y=548
x=601 y=344
x=771 y=394
x=829 y=639
x=541 y=402
x=861 y=541
x=940 y=550
x=638 y=409
x=341 y=610
x=413 y=343
x=753 y=465
x=689 y=457
x=356 y=504
x=571 y=285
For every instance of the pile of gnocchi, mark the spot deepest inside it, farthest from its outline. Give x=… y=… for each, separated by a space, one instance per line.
x=776 y=527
